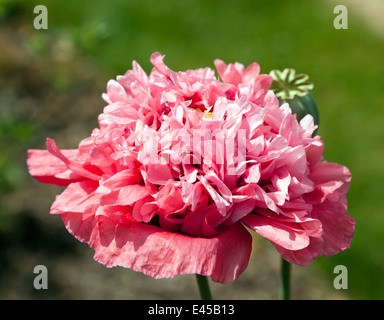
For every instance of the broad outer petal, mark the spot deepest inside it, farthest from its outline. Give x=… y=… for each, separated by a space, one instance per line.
x=161 y=254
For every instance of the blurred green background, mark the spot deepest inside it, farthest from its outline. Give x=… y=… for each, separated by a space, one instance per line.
x=51 y=83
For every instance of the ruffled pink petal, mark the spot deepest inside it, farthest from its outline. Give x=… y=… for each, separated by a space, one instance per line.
x=304 y=256
x=203 y=222
x=157 y=61
x=77 y=206
x=338 y=226
x=331 y=181
x=125 y=196
x=123 y=178
x=314 y=151
x=194 y=195
x=135 y=81
x=264 y=82
x=325 y=172
x=158 y=173
x=115 y=92
x=46 y=168
x=240 y=208
x=144 y=210
x=169 y=198
x=228 y=73
x=72 y=165
x=220 y=202
x=285 y=234
x=338 y=230
x=78 y=197
x=121 y=113
x=252 y=174
x=252 y=72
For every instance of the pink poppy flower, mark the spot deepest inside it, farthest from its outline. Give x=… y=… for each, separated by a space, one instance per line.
x=183 y=161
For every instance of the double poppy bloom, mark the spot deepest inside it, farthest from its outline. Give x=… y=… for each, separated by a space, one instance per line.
x=183 y=162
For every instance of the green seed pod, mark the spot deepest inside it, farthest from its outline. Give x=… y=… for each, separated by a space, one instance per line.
x=294 y=89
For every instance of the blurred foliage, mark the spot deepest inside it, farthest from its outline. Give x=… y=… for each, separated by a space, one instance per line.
x=346 y=66
x=14 y=132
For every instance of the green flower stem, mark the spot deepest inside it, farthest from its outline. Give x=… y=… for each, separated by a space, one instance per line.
x=285 y=280
x=205 y=292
